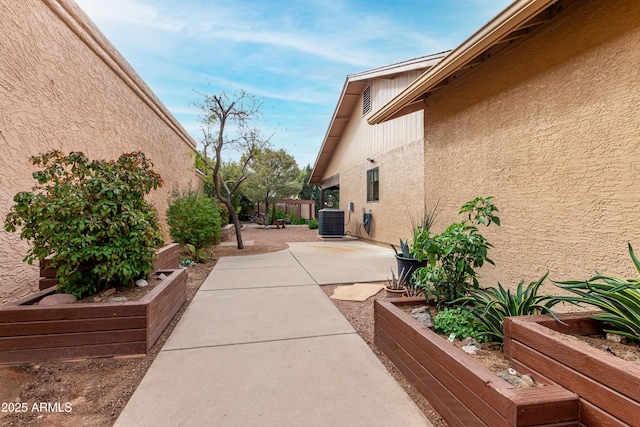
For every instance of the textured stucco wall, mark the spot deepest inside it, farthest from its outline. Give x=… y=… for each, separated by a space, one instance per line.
x=63 y=86
x=551 y=128
x=401 y=194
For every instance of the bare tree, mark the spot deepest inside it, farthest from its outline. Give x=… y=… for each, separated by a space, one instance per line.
x=225 y=125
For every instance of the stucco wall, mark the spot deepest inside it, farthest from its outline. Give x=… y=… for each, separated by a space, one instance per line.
x=63 y=86
x=401 y=194
x=551 y=128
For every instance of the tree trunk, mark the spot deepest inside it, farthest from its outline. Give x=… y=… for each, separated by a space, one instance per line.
x=236 y=222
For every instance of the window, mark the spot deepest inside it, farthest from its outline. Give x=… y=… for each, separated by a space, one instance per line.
x=366 y=100
x=373 y=185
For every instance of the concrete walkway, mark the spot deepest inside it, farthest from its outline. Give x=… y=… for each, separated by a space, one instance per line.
x=262 y=345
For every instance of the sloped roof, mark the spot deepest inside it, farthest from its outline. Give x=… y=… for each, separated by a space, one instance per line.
x=516 y=21
x=349 y=98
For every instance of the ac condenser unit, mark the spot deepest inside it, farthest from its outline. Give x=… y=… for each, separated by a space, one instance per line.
x=331 y=222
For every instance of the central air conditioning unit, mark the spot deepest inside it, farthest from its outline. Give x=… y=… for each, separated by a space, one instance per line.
x=331 y=222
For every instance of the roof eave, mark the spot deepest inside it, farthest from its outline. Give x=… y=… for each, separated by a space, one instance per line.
x=514 y=16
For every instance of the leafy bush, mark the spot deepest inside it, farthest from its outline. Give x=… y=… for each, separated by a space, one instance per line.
x=619 y=299
x=460 y=322
x=194 y=219
x=91 y=217
x=197 y=255
x=295 y=220
x=313 y=224
x=279 y=215
x=223 y=210
x=492 y=305
x=454 y=255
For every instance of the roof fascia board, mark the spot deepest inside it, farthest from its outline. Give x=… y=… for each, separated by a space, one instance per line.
x=516 y=14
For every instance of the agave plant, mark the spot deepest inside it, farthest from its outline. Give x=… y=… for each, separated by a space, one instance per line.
x=394 y=283
x=492 y=305
x=619 y=299
x=405 y=249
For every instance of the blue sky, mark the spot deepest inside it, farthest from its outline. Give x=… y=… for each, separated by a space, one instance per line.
x=294 y=54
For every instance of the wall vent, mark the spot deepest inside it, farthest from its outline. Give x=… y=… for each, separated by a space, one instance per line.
x=366 y=100
x=331 y=222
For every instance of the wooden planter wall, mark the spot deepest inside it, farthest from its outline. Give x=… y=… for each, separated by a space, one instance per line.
x=464 y=392
x=168 y=259
x=608 y=387
x=30 y=333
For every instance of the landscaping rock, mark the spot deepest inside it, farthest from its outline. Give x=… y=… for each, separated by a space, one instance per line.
x=141 y=283
x=422 y=315
x=512 y=379
x=57 y=299
x=616 y=338
x=162 y=276
x=470 y=349
x=527 y=380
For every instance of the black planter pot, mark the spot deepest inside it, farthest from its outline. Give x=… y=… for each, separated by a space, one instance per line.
x=408 y=266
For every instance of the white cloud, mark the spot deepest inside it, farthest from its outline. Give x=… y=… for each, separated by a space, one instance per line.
x=293 y=54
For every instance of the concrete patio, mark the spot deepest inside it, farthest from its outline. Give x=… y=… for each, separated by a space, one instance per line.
x=261 y=344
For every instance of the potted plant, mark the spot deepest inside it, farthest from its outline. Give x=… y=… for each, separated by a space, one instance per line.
x=406 y=257
x=394 y=287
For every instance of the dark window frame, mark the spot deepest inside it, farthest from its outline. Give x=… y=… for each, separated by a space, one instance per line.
x=373 y=184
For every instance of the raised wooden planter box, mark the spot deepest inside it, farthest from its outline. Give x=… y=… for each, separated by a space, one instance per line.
x=464 y=392
x=608 y=387
x=30 y=333
x=168 y=259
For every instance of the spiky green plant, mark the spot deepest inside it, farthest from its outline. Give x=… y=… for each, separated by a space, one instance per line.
x=492 y=305
x=405 y=249
x=619 y=299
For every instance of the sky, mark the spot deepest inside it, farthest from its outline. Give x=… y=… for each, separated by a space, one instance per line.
x=293 y=55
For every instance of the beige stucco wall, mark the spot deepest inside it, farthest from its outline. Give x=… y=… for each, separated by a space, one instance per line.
x=551 y=128
x=397 y=149
x=63 y=86
x=401 y=194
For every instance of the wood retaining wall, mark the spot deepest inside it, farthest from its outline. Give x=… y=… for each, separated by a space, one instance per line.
x=464 y=392
x=608 y=387
x=31 y=333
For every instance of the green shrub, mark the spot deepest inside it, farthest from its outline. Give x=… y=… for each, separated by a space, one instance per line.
x=313 y=224
x=460 y=322
x=194 y=219
x=295 y=220
x=91 y=217
x=224 y=213
x=454 y=255
x=619 y=299
x=492 y=305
